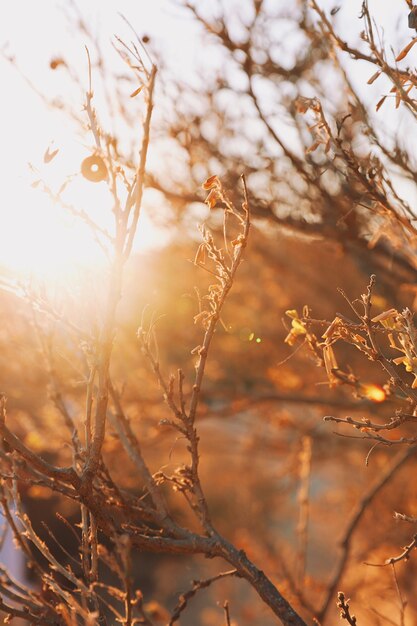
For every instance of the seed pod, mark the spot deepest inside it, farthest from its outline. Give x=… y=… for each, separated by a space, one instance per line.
x=94 y=169
x=412 y=18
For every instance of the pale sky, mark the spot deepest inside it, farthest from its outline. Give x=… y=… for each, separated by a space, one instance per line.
x=35 y=32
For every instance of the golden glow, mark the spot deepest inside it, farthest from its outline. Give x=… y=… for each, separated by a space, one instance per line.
x=40 y=238
x=40 y=242
x=374 y=393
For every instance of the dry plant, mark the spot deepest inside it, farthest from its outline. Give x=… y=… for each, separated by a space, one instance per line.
x=322 y=186
x=348 y=184
x=114 y=523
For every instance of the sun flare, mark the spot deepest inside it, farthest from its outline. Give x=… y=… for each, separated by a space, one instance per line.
x=44 y=242
x=41 y=239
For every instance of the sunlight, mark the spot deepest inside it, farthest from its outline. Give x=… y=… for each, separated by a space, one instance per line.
x=41 y=239
x=38 y=239
x=374 y=392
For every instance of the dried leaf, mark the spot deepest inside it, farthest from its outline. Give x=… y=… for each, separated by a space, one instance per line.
x=298 y=327
x=412 y=17
x=406 y=50
x=136 y=92
x=48 y=156
x=397 y=99
x=380 y=103
x=56 y=62
x=334 y=327
x=385 y=315
x=211 y=183
x=330 y=363
x=302 y=104
x=212 y=198
x=200 y=257
x=313 y=147
x=292 y=313
x=374 y=77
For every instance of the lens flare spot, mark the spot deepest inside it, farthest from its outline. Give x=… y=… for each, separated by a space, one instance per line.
x=375 y=393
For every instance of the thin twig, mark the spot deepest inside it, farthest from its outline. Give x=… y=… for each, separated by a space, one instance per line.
x=197 y=586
